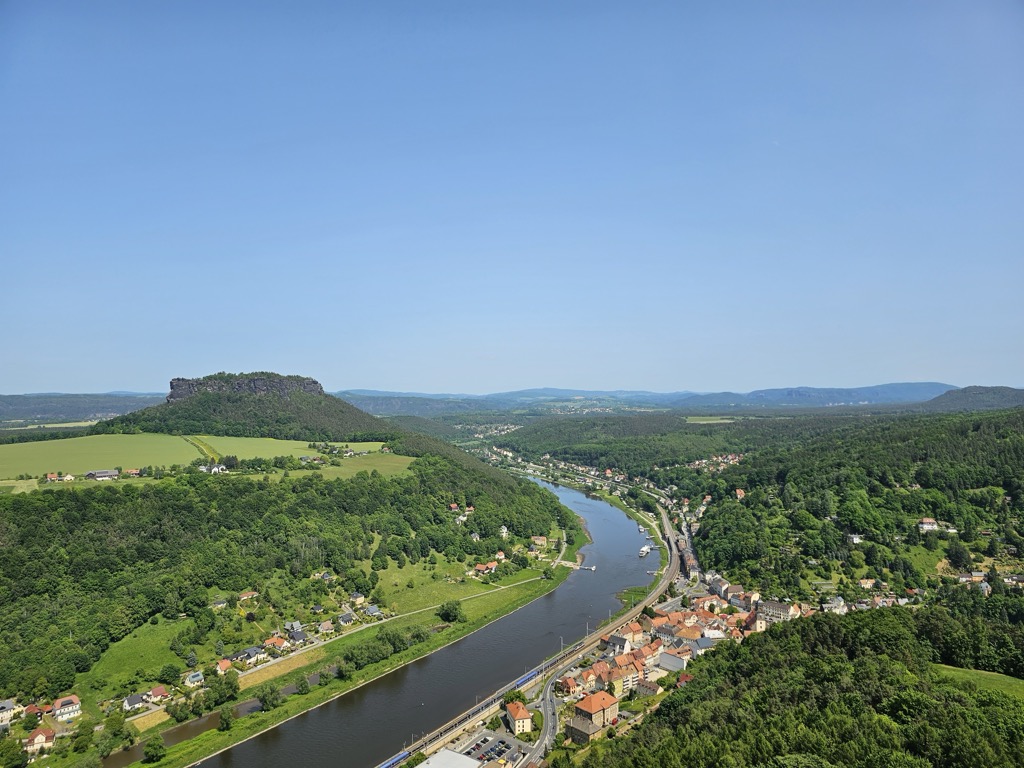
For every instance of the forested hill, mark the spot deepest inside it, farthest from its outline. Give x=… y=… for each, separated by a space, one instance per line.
x=977 y=399
x=856 y=690
x=281 y=407
x=83 y=567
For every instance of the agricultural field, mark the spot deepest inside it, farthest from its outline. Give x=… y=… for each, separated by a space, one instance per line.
x=78 y=455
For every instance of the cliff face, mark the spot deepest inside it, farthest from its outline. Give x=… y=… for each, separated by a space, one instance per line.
x=251 y=383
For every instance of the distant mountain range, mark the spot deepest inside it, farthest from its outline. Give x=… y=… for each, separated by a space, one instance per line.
x=427 y=405
x=57 y=407
x=930 y=396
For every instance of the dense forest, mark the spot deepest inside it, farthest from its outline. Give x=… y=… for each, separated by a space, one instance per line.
x=81 y=568
x=857 y=690
x=815 y=484
x=807 y=500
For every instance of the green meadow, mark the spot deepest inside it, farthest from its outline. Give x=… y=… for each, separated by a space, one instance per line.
x=78 y=455
x=988 y=681
x=130 y=665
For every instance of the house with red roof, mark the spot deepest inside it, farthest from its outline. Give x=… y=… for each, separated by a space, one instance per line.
x=40 y=739
x=67 y=708
x=158 y=694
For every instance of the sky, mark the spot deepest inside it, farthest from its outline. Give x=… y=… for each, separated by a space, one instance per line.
x=479 y=197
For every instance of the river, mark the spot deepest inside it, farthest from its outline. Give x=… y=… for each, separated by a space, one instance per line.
x=372 y=723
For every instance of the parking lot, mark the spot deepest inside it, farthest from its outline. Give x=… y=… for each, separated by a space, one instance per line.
x=485 y=745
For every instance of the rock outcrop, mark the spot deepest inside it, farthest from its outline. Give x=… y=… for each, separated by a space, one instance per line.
x=261 y=383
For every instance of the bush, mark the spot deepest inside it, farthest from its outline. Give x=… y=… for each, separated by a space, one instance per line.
x=154 y=750
x=451 y=612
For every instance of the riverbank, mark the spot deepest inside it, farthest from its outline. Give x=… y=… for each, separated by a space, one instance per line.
x=370 y=724
x=481 y=611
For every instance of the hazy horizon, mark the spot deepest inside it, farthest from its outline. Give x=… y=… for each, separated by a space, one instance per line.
x=414 y=392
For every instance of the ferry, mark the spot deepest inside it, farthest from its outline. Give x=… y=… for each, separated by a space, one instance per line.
x=645 y=550
x=642 y=529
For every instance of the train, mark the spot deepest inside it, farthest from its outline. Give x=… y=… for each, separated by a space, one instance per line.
x=394 y=760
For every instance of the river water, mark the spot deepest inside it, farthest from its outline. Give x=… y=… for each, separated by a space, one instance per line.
x=374 y=722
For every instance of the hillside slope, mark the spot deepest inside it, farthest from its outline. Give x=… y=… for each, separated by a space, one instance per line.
x=977 y=399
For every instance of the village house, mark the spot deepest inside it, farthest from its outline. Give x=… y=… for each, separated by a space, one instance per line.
x=194 y=679
x=358 y=599
x=250 y=656
x=133 y=702
x=927 y=524
x=617 y=644
x=298 y=637
x=276 y=643
x=66 y=708
x=102 y=474
x=223 y=666
x=247 y=595
x=539 y=541
x=39 y=711
x=40 y=739
x=567 y=686
x=326 y=627
x=374 y=612
x=9 y=709
x=292 y=626
x=157 y=695
x=519 y=719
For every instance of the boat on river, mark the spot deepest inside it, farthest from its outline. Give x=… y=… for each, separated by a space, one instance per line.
x=645 y=550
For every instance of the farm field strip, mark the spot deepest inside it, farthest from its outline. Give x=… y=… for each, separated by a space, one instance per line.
x=78 y=455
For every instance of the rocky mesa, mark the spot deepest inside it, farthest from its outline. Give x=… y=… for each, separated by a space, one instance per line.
x=261 y=383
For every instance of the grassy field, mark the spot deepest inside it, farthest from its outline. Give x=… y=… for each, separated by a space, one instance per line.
x=991 y=681
x=386 y=463
x=145 y=650
x=78 y=455
x=925 y=560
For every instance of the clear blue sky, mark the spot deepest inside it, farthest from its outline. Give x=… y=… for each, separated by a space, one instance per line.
x=484 y=196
